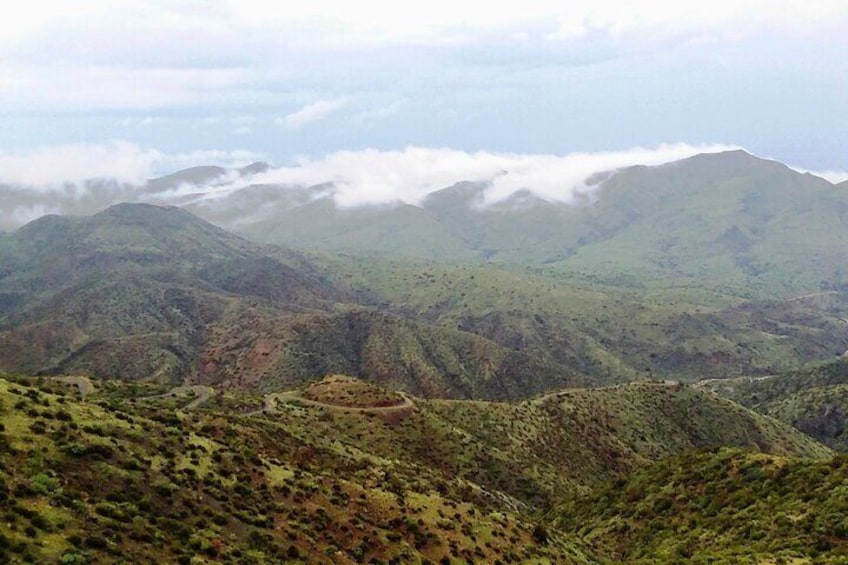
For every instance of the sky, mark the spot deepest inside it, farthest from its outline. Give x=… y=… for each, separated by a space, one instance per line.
x=134 y=88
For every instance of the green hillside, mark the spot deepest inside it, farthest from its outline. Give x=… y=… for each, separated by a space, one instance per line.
x=606 y=333
x=148 y=293
x=321 y=475
x=728 y=221
x=718 y=507
x=143 y=292
x=814 y=400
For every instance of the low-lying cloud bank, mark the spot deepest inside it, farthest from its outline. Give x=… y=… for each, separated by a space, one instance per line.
x=58 y=179
x=372 y=176
x=48 y=169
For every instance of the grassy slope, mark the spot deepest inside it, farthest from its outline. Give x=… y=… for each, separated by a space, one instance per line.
x=609 y=334
x=120 y=474
x=719 y=507
x=815 y=399
x=105 y=479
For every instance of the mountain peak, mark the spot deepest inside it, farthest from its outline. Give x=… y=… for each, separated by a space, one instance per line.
x=193 y=175
x=140 y=211
x=254 y=168
x=460 y=194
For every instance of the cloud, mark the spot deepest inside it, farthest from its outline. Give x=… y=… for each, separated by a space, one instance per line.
x=372 y=176
x=243 y=121
x=149 y=30
x=312 y=113
x=376 y=114
x=834 y=177
x=143 y=121
x=52 y=168
x=21 y=215
x=73 y=164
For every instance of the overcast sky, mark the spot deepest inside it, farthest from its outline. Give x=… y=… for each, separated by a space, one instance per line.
x=157 y=84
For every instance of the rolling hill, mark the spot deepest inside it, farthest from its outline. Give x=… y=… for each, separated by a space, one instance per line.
x=144 y=292
x=725 y=506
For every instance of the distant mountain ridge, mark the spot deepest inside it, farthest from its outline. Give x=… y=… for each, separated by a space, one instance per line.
x=679 y=271
x=732 y=219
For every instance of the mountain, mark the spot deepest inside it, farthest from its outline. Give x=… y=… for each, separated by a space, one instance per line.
x=608 y=334
x=341 y=471
x=20 y=204
x=135 y=284
x=727 y=221
x=145 y=292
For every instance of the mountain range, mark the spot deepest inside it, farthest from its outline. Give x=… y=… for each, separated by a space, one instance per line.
x=728 y=221
x=654 y=276
x=144 y=292
x=652 y=373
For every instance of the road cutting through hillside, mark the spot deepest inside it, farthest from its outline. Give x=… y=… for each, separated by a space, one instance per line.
x=271 y=401
x=668 y=383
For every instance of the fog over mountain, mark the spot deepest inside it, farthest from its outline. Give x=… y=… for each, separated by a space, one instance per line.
x=85 y=179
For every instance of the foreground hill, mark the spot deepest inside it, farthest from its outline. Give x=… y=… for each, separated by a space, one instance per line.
x=814 y=400
x=339 y=471
x=719 y=507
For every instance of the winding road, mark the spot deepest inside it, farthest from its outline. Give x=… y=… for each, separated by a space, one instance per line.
x=270 y=403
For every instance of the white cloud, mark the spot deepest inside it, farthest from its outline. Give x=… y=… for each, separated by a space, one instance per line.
x=312 y=113
x=831 y=176
x=51 y=168
x=143 y=121
x=372 y=22
x=21 y=215
x=372 y=176
x=376 y=114
x=243 y=121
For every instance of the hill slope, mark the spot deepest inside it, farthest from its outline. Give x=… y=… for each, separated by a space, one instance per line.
x=814 y=400
x=144 y=292
x=727 y=220
x=319 y=478
x=719 y=507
